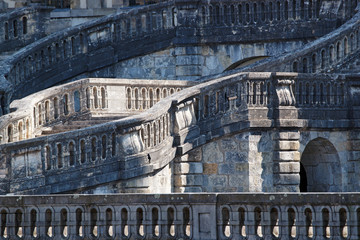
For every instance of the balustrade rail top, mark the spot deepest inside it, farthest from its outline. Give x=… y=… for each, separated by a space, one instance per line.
x=316 y=198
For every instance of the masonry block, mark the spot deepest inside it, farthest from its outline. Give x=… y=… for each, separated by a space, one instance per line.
x=287 y=145
x=286 y=167
x=210 y=168
x=286 y=179
x=188 y=180
x=188 y=168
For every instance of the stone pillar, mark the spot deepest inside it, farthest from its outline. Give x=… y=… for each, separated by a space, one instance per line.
x=188 y=171
x=286 y=161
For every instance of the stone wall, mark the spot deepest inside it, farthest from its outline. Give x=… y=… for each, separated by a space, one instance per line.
x=194 y=62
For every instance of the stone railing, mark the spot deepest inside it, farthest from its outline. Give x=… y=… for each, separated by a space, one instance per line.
x=321 y=55
x=21 y=27
x=103 y=42
x=182 y=216
x=227 y=13
x=138 y=145
x=89 y=46
x=104 y=96
x=228 y=17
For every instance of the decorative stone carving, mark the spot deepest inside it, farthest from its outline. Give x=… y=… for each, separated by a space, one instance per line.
x=285 y=93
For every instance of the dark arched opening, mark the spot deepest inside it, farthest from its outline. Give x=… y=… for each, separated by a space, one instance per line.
x=322 y=168
x=303 y=179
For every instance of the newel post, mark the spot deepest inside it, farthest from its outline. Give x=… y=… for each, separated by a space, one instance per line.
x=286 y=160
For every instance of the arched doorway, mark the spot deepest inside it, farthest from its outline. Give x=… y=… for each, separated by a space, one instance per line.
x=320 y=169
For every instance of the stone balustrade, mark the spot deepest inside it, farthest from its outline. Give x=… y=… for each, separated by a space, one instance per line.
x=182 y=216
x=321 y=55
x=82 y=49
x=245 y=13
x=21 y=27
x=175 y=125
x=94 y=96
x=83 y=45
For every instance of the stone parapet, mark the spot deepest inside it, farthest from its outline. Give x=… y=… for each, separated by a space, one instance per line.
x=182 y=216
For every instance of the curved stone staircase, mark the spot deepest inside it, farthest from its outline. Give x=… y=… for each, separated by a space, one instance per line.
x=68 y=148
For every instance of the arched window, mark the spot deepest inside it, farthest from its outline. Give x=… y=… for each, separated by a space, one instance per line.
x=20 y=131
x=79 y=224
x=66 y=104
x=305 y=66
x=48 y=223
x=174 y=17
x=71 y=154
x=24 y=25
x=128 y=93
x=95 y=93
x=59 y=156
x=103 y=98
x=103 y=147
x=73 y=46
x=64 y=223
x=40 y=114
x=15 y=28
x=27 y=125
x=33 y=220
x=109 y=223
x=93 y=149
x=10 y=133
x=56 y=107
x=19 y=223
x=47 y=111
x=77 y=105
x=48 y=157
x=82 y=151
x=93 y=222
x=6 y=26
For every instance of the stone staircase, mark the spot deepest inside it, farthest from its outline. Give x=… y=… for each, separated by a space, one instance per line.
x=80 y=122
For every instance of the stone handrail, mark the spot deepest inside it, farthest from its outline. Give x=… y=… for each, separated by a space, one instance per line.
x=175 y=125
x=68 y=101
x=182 y=216
x=321 y=55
